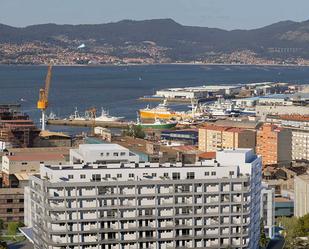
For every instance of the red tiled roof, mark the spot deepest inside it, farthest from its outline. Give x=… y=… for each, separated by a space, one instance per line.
x=222 y=128
x=36 y=157
x=208 y=155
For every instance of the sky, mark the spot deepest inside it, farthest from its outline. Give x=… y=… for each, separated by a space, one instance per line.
x=226 y=14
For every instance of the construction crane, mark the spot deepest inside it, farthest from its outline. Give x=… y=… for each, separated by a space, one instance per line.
x=92 y=112
x=43 y=97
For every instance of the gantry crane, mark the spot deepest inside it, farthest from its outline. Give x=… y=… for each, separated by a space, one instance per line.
x=43 y=97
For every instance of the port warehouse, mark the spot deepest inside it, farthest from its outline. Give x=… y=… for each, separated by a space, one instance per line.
x=197 y=92
x=201 y=92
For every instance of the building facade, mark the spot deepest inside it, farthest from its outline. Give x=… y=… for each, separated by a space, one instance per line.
x=127 y=204
x=274 y=144
x=213 y=138
x=301 y=195
x=268 y=210
x=11 y=204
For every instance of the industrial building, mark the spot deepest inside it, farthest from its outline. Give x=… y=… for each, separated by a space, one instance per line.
x=186 y=136
x=106 y=198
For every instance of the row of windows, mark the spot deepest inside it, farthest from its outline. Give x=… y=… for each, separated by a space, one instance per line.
x=114 y=154
x=175 y=175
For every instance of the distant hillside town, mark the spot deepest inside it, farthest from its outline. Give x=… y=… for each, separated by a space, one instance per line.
x=130 y=42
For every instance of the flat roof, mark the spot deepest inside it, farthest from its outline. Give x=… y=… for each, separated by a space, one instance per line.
x=104 y=146
x=36 y=157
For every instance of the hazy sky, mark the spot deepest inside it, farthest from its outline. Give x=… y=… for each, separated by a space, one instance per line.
x=228 y=14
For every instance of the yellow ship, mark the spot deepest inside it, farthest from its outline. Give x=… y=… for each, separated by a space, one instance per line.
x=163 y=112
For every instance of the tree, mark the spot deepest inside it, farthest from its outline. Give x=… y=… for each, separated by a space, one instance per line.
x=3 y=245
x=13 y=227
x=263 y=238
x=1 y=224
x=134 y=131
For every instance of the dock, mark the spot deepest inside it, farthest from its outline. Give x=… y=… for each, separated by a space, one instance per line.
x=87 y=123
x=175 y=100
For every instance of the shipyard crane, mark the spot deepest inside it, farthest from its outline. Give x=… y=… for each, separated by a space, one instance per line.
x=43 y=97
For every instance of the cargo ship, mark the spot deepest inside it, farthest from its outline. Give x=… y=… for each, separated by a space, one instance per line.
x=162 y=111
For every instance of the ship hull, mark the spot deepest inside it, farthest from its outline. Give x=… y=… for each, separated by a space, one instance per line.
x=153 y=115
x=158 y=126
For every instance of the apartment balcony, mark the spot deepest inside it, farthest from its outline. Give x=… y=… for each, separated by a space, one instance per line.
x=90 y=238
x=166 y=212
x=147 y=191
x=128 y=214
x=89 y=215
x=210 y=188
x=166 y=190
x=148 y=202
x=199 y=200
x=212 y=243
x=212 y=222
x=167 y=235
x=236 y=242
x=59 y=239
x=212 y=210
x=167 y=201
x=165 y=224
x=57 y=204
x=129 y=236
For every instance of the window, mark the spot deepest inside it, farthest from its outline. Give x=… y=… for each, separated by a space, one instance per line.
x=119 y=175
x=9 y=201
x=70 y=176
x=153 y=174
x=108 y=176
x=176 y=175
x=165 y=174
x=82 y=176
x=206 y=173
x=21 y=200
x=213 y=173
x=9 y=210
x=107 y=153
x=24 y=163
x=96 y=177
x=102 y=154
x=190 y=175
x=115 y=153
x=122 y=153
x=131 y=175
x=231 y=173
x=21 y=210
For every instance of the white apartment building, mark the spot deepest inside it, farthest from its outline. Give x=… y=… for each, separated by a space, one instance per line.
x=300 y=144
x=268 y=209
x=99 y=202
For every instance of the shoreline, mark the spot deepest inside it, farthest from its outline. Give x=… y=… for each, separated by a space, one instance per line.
x=158 y=64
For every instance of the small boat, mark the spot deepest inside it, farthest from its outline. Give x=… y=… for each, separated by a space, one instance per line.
x=105 y=117
x=76 y=116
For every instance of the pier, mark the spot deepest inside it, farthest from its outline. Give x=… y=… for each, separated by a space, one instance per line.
x=87 y=123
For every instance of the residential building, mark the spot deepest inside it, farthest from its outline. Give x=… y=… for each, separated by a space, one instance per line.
x=299 y=125
x=268 y=209
x=274 y=144
x=12 y=204
x=300 y=145
x=213 y=138
x=99 y=202
x=301 y=193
